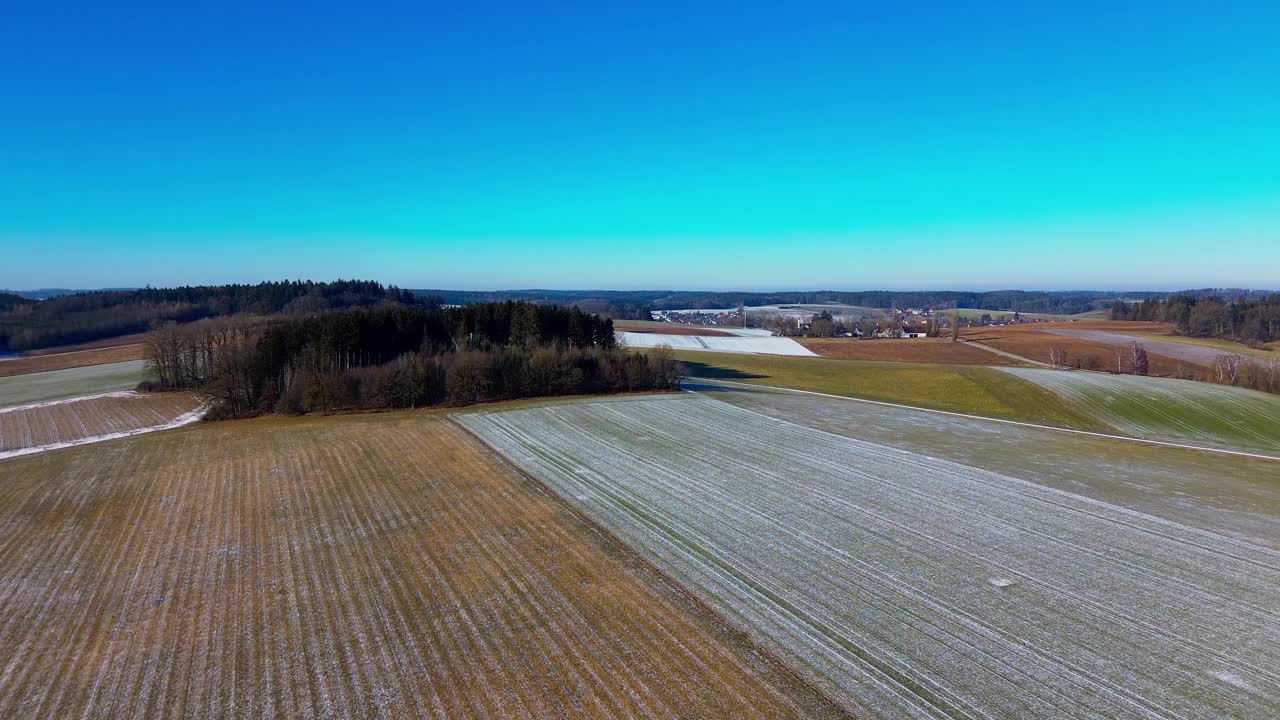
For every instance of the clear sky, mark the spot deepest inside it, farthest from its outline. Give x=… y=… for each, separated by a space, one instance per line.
x=1099 y=145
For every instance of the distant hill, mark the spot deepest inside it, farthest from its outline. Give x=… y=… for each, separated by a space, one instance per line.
x=46 y=293
x=636 y=304
x=27 y=324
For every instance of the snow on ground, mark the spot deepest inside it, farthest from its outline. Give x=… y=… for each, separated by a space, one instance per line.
x=1226 y=495
x=54 y=424
x=759 y=345
x=911 y=585
x=184 y=419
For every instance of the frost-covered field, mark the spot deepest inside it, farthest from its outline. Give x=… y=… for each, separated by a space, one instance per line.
x=755 y=344
x=1226 y=494
x=914 y=586
x=1168 y=409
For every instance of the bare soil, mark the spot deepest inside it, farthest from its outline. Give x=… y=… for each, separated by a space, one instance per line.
x=668 y=329
x=1034 y=340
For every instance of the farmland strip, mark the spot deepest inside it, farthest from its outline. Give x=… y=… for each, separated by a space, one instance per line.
x=961 y=592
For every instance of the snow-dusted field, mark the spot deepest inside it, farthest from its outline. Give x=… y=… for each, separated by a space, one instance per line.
x=1168 y=409
x=55 y=424
x=754 y=344
x=1228 y=495
x=913 y=586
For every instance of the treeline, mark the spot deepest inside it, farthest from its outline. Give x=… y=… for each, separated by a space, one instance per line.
x=394 y=356
x=1249 y=319
x=9 y=300
x=615 y=304
x=90 y=316
x=637 y=303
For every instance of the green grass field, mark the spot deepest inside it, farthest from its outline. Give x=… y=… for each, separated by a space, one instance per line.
x=1167 y=409
x=72 y=382
x=956 y=388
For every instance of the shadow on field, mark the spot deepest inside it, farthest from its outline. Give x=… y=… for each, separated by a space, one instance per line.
x=714 y=372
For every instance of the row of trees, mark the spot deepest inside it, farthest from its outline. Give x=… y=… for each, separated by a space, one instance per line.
x=399 y=356
x=1227 y=368
x=1131 y=360
x=636 y=303
x=1232 y=369
x=1248 y=319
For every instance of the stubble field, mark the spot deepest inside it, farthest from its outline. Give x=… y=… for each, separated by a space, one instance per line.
x=71 y=421
x=912 y=586
x=358 y=566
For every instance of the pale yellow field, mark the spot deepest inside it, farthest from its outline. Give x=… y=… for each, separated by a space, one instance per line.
x=355 y=566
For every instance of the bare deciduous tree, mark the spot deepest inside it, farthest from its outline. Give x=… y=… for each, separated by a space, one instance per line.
x=1226 y=369
x=1057 y=356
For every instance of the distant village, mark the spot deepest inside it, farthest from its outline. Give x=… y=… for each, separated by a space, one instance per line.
x=839 y=321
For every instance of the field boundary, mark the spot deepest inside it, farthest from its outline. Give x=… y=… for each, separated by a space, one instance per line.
x=767 y=654
x=1090 y=433
x=1005 y=353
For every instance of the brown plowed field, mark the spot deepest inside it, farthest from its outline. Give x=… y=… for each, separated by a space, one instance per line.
x=1031 y=340
x=355 y=566
x=916 y=350
x=75 y=420
x=74 y=358
x=118 y=340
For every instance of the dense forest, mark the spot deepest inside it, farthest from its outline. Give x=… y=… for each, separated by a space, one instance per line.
x=9 y=300
x=397 y=355
x=92 y=315
x=1249 y=318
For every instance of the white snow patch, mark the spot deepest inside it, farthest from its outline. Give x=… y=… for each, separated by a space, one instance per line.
x=756 y=345
x=183 y=419
x=1002 y=583
x=64 y=401
x=1233 y=680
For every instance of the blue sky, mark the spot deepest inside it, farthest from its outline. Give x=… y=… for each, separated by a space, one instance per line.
x=471 y=145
